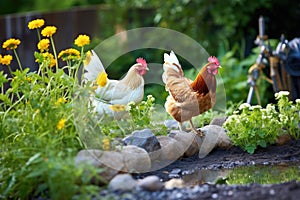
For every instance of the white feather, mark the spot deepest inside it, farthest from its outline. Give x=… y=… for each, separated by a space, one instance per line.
x=93 y=68
x=111 y=94
x=170 y=60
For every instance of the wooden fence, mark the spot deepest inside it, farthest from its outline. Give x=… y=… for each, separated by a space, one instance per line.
x=69 y=25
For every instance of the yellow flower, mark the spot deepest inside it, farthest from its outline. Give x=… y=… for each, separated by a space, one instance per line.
x=48 y=31
x=43 y=45
x=61 y=124
x=88 y=57
x=101 y=79
x=69 y=54
x=82 y=40
x=28 y=79
x=6 y=60
x=117 y=107
x=60 y=101
x=37 y=23
x=48 y=58
x=106 y=144
x=11 y=44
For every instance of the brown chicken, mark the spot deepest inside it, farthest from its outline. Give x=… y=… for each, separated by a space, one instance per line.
x=189 y=98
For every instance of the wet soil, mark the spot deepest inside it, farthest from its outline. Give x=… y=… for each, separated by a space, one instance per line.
x=224 y=159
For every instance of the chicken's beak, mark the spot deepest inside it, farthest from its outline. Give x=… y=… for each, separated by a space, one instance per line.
x=220 y=66
x=147 y=68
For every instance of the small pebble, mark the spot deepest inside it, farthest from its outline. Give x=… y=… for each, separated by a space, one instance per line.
x=214 y=196
x=151 y=183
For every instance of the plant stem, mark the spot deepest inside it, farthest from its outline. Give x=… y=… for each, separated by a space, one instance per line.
x=54 y=52
x=18 y=60
x=38 y=33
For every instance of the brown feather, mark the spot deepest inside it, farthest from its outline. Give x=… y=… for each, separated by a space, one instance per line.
x=189 y=98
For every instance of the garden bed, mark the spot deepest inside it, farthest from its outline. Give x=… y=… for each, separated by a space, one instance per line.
x=224 y=159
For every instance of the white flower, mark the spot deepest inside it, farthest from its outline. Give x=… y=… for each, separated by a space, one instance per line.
x=236 y=112
x=244 y=105
x=283 y=118
x=270 y=107
x=281 y=94
x=232 y=118
x=298 y=101
x=150 y=97
x=129 y=105
x=255 y=107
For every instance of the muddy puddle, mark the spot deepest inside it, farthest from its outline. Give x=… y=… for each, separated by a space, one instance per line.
x=261 y=174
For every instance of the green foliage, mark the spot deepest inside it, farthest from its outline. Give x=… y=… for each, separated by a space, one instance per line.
x=234 y=74
x=208 y=22
x=254 y=126
x=289 y=115
x=94 y=130
x=38 y=135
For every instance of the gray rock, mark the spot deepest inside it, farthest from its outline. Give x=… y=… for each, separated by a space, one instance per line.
x=151 y=183
x=215 y=136
x=111 y=161
x=189 y=140
x=171 y=124
x=170 y=151
x=136 y=159
x=122 y=182
x=144 y=139
x=219 y=121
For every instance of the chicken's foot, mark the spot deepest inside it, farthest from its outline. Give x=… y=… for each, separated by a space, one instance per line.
x=198 y=132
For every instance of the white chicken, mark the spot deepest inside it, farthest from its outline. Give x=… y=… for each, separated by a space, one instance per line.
x=111 y=96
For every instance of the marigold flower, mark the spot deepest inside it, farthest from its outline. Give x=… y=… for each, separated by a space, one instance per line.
x=69 y=54
x=47 y=57
x=37 y=23
x=61 y=124
x=48 y=31
x=6 y=60
x=106 y=144
x=43 y=45
x=117 y=107
x=60 y=101
x=11 y=44
x=82 y=40
x=28 y=79
x=101 y=79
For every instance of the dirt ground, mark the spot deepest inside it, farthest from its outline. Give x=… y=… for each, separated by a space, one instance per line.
x=221 y=158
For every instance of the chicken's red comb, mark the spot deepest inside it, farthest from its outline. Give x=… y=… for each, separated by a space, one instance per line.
x=213 y=59
x=141 y=61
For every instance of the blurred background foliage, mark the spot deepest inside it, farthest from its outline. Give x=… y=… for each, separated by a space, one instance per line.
x=224 y=28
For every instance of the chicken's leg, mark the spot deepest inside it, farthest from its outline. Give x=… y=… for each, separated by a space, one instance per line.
x=180 y=126
x=200 y=133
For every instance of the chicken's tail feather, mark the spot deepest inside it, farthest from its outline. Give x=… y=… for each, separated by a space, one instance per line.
x=92 y=66
x=171 y=66
x=171 y=59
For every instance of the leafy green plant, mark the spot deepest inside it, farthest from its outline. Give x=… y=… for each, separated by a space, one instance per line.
x=38 y=136
x=254 y=126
